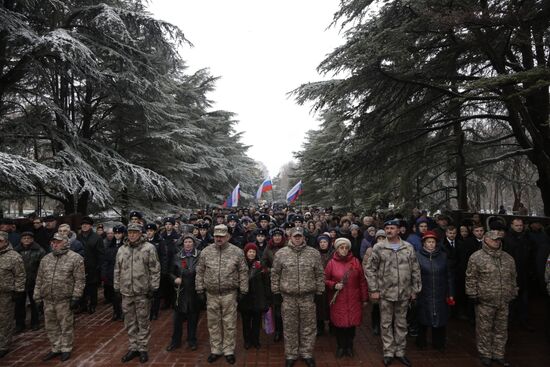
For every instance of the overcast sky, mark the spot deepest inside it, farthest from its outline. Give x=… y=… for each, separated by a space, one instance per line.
x=261 y=50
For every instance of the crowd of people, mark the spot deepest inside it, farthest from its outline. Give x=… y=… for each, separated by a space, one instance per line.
x=289 y=272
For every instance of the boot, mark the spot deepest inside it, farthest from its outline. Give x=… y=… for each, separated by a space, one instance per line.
x=65 y=356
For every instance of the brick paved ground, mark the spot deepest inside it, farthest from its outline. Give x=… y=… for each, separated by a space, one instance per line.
x=101 y=342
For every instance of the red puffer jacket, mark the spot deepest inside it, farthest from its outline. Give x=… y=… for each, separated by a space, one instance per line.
x=347 y=310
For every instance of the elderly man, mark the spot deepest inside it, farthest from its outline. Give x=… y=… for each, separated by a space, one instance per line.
x=136 y=280
x=491 y=284
x=12 y=288
x=223 y=274
x=59 y=284
x=393 y=276
x=298 y=277
x=93 y=256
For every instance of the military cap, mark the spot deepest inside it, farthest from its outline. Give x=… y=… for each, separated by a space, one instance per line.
x=119 y=228
x=49 y=218
x=298 y=218
x=220 y=230
x=87 y=220
x=494 y=234
x=275 y=231
x=60 y=237
x=342 y=241
x=392 y=222
x=262 y=231
x=152 y=226
x=296 y=231
x=134 y=227
x=27 y=233
x=203 y=225
x=169 y=220
x=231 y=217
x=264 y=217
x=136 y=214
x=287 y=225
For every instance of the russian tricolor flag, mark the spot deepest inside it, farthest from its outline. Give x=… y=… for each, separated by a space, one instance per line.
x=233 y=199
x=294 y=192
x=266 y=186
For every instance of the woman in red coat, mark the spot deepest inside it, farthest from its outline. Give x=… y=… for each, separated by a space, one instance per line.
x=348 y=293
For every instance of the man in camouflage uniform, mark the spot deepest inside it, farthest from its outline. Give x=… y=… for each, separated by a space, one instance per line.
x=12 y=288
x=223 y=274
x=491 y=284
x=393 y=276
x=59 y=284
x=298 y=277
x=136 y=280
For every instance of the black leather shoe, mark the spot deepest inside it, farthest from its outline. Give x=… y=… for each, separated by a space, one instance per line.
x=404 y=360
x=310 y=362
x=502 y=362
x=289 y=362
x=51 y=356
x=3 y=352
x=19 y=329
x=485 y=361
x=130 y=355
x=388 y=361
x=230 y=359
x=277 y=337
x=172 y=346
x=143 y=357
x=91 y=310
x=339 y=352
x=349 y=352
x=35 y=327
x=65 y=356
x=213 y=357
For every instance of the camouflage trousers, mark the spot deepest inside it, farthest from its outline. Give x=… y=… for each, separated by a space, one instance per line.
x=299 y=325
x=136 y=311
x=393 y=327
x=59 y=325
x=491 y=330
x=7 y=320
x=221 y=314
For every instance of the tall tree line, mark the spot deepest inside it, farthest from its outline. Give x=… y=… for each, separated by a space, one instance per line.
x=433 y=95
x=96 y=107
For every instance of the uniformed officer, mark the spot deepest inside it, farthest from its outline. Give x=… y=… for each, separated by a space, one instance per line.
x=136 y=280
x=491 y=284
x=222 y=274
x=393 y=277
x=12 y=288
x=298 y=277
x=60 y=284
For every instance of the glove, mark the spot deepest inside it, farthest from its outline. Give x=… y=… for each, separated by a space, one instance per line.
x=151 y=293
x=319 y=298
x=277 y=299
x=202 y=298
x=75 y=304
x=451 y=301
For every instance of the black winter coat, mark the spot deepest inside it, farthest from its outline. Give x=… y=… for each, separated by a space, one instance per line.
x=437 y=285
x=186 y=296
x=238 y=237
x=93 y=255
x=167 y=249
x=521 y=248
x=109 y=260
x=258 y=297
x=31 y=258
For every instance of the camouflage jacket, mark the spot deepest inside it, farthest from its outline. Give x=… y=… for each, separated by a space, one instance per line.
x=394 y=274
x=547 y=275
x=221 y=269
x=297 y=270
x=491 y=276
x=137 y=268
x=12 y=271
x=60 y=278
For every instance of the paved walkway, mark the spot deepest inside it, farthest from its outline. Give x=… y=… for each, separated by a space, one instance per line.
x=102 y=342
